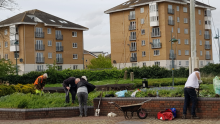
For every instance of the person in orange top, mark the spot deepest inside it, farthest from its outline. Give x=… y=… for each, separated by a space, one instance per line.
x=40 y=83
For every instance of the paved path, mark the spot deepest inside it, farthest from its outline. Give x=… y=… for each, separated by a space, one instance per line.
x=106 y=120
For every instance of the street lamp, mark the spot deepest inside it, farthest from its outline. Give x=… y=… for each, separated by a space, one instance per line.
x=16 y=54
x=217 y=37
x=172 y=55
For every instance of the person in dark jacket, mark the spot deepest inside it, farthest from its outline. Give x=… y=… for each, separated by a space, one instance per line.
x=70 y=86
x=83 y=88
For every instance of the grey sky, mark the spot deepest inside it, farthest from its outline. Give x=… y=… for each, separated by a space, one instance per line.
x=90 y=13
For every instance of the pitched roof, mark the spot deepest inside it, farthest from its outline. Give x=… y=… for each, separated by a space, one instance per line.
x=87 y=52
x=32 y=15
x=131 y=3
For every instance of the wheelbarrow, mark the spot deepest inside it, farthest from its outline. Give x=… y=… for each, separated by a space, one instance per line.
x=141 y=113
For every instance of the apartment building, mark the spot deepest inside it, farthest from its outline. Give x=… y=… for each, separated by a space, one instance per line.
x=141 y=31
x=88 y=56
x=42 y=39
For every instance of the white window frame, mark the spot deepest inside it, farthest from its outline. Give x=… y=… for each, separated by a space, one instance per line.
x=156 y=52
x=199 y=12
x=143 y=53
x=144 y=64
x=187 y=63
x=50 y=55
x=200 y=53
x=172 y=29
x=75 y=56
x=178 y=19
x=186 y=52
x=186 y=31
x=75 y=45
x=48 y=30
x=180 y=63
x=142 y=10
x=6 y=56
x=200 y=32
x=6 y=31
x=186 y=41
x=6 y=43
x=179 y=52
x=200 y=22
x=49 y=43
x=157 y=63
x=17 y=55
x=177 y=8
x=59 y=67
x=74 y=34
x=178 y=30
x=143 y=42
x=142 y=31
x=142 y=21
x=200 y=43
x=184 y=9
x=185 y=20
x=75 y=67
x=179 y=41
x=40 y=67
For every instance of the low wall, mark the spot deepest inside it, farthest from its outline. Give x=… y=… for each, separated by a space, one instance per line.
x=23 y=114
x=206 y=107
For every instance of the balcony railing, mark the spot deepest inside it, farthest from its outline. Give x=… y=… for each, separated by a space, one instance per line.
x=207 y=46
x=170 y=11
x=131 y=17
x=132 y=38
x=207 y=36
x=59 y=48
x=39 y=34
x=172 y=56
x=133 y=49
x=155 y=46
x=153 y=34
x=170 y=22
x=59 y=37
x=132 y=27
x=208 y=57
x=40 y=70
x=133 y=59
x=59 y=60
x=40 y=60
x=40 y=47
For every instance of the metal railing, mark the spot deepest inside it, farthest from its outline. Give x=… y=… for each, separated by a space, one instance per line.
x=39 y=34
x=170 y=11
x=131 y=17
x=208 y=57
x=157 y=45
x=59 y=37
x=170 y=22
x=39 y=47
x=157 y=34
x=207 y=36
x=172 y=56
x=59 y=48
x=59 y=60
x=133 y=59
x=40 y=60
x=132 y=37
x=132 y=27
x=133 y=49
x=207 y=46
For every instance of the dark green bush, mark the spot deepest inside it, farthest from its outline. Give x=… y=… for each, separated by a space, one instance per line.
x=23 y=104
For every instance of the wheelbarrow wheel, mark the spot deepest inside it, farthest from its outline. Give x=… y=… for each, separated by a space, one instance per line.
x=142 y=113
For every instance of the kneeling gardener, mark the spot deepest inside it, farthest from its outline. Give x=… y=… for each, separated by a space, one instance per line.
x=40 y=83
x=70 y=86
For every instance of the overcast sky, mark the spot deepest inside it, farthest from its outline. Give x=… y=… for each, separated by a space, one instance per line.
x=90 y=13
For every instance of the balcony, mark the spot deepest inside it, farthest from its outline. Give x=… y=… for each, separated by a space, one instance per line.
x=132 y=49
x=170 y=22
x=39 y=34
x=172 y=56
x=170 y=11
x=40 y=60
x=131 y=17
x=132 y=27
x=208 y=57
x=157 y=34
x=133 y=59
x=132 y=38
x=156 y=46
x=207 y=36
x=59 y=48
x=39 y=47
x=207 y=46
x=59 y=37
x=59 y=60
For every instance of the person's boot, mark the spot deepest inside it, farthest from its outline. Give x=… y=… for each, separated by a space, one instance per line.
x=184 y=116
x=80 y=116
x=194 y=117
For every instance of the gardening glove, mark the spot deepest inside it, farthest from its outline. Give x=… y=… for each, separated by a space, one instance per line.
x=200 y=81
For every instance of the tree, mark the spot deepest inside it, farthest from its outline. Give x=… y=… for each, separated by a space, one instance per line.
x=8 y=4
x=100 y=62
x=6 y=67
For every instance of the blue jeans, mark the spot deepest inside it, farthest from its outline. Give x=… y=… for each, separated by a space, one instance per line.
x=82 y=98
x=190 y=93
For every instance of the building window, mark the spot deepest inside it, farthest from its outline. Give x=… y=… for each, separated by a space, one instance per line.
x=186 y=41
x=142 y=10
x=184 y=9
x=157 y=63
x=74 y=34
x=179 y=52
x=156 y=52
x=144 y=63
x=50 y=55
x=185 y=20
x=74 y=45
x=200 y=32
x=59 y=68
x=75 y=56
x=179 y=41
x=199 y=11
x=6 y=31
x=186 y=31
x=200 y=53
x=143 y=42
x=40 y=67
x=179 y=62
x=154 y=18
x=142 y=31
x=75 y=67
x=200 y=42
x=187 y=63
x=15 y=54
x=153 y=8
x=178 y=19
x=142 y=21
x=200 y=22
x=178 y=29
x=6 y=56
x=207 y=22
x=186 y=52
x=177 y=8
x=49 y=43
x=143 y=53
x=134 y=64
x=6 y=44
x=201 y=63
x=48 y=30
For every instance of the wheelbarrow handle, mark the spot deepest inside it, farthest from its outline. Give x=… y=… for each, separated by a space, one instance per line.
x=116 y=105
x=146 y=101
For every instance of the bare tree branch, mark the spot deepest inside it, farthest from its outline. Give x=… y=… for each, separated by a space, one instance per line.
x=8 y=4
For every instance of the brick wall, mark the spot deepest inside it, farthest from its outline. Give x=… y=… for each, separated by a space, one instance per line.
x=206 y=107
x=22 y=114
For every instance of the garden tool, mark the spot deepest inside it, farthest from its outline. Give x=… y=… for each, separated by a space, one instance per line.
x=69 y=89
x=97 y=111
